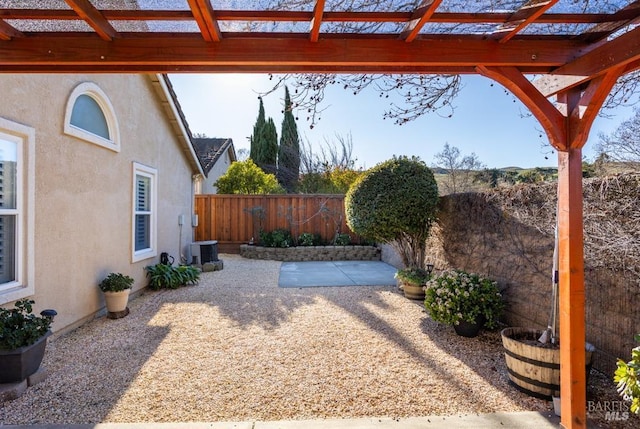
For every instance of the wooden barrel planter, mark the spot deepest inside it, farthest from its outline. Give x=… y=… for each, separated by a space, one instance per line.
x=534 y=368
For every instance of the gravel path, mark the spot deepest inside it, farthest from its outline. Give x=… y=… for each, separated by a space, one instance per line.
x=236 y=347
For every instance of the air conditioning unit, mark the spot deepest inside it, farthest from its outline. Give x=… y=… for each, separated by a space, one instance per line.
x=204 y=251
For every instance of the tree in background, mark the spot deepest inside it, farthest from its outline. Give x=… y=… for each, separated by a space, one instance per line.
x=329 y=170
x=257 y=130
x=268 y=149
x=289 y=150
x=460 y=169
x=623 y=144
x=395 y=202
x=245 y=177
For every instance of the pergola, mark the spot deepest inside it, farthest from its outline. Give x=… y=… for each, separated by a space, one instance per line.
x=561 y=58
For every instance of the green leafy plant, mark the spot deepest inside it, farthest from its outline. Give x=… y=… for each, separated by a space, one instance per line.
x=343 y=240
x=276 y=238
x=627 y=376
x=413 y=276
x=163 y=276
x=308 y=239
x=19 y=327
x=395 y=202
x=454 y=295
x=116 y=282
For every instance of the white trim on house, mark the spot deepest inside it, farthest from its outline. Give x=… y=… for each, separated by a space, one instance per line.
x=140 y=170
x=179 y=123
x=23 y=284
x=98 y=95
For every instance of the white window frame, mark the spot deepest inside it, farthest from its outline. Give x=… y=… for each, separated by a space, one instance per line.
x=92 y=90
x=23 y=285
x=152 y=251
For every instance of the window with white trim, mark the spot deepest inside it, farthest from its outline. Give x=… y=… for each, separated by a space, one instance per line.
x=16 y=220
x=90 y=116
x=144 y=232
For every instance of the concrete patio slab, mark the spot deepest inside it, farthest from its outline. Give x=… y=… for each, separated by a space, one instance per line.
x=336 y=273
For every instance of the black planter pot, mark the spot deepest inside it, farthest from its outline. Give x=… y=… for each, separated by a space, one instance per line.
x=467 y=329
x=18 y=364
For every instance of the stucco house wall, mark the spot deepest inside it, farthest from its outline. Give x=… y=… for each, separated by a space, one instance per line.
x=82 y=202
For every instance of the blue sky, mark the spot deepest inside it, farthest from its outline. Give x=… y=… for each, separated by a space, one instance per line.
x=487 y=121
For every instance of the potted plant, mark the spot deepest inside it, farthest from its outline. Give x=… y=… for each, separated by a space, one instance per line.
x=116 y=288
x=464 y=300
x=412 y=282
x=23 y=338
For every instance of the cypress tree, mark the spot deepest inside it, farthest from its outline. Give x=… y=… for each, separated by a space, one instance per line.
x=289 y=151
x=267 y=152
x=257 y=130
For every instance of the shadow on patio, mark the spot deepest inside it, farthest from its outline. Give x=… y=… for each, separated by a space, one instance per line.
x=237 y=348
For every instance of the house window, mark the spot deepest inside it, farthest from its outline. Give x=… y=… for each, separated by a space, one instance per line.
x=90 y=116
x=144 y=212
x=16 y=220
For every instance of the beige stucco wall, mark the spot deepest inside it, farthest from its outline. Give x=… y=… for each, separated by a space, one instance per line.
x=83 y=192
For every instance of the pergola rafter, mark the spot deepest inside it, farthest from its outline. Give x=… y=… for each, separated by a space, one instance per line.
x=204 y=16
x=420 y=17
x=527 y=14
x=94 y=18
x=580 y=53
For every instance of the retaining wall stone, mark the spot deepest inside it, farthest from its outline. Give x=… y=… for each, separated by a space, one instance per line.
x=311 y=253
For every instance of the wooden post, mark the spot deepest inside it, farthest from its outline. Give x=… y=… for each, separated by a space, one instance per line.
x=572 y=297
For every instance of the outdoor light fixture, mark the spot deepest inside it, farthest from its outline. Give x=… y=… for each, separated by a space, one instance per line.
x=429 y=268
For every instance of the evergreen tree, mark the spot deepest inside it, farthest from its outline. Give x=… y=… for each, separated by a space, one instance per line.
x=267 y=153
x=289 y=151
x=257 y=129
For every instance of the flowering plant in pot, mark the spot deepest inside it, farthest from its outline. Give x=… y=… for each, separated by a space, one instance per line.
x=23 y=338
x=457 y=298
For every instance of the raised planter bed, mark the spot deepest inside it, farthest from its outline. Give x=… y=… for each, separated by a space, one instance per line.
x=311 y=253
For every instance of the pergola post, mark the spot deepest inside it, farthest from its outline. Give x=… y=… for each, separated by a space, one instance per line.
x=567 y=126
x=573 y=385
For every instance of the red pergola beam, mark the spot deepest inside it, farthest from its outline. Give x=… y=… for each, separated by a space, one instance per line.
x=7 y=32
x=302 y=16
x=419 y=18
x=204 y=16
x=94 y=18
x=620 y=51
x=525 y=16
x=316 y=22
x=262 y=55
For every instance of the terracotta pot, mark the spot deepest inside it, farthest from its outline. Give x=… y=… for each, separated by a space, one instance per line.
x=117 y=301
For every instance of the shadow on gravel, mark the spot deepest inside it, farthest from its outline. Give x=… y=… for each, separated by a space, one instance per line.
x=88 y=371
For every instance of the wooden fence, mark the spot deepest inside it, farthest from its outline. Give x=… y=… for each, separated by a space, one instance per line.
x=236 y=219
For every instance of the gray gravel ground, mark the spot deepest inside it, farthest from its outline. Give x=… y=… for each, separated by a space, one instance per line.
x=236 y=347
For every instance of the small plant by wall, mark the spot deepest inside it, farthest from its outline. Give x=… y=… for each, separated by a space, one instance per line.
x=164 y=276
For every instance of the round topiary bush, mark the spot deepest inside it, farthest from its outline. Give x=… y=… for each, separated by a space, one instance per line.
x=395 y=203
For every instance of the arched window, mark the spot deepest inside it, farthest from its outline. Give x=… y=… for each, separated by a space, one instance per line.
x=89 y=116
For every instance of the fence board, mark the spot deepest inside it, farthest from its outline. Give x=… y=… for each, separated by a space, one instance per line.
x=235 y=219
